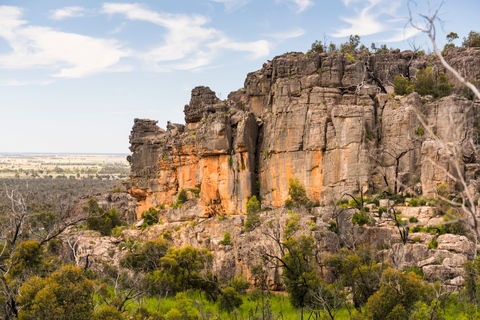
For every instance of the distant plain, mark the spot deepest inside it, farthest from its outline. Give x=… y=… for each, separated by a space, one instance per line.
x=64 y=166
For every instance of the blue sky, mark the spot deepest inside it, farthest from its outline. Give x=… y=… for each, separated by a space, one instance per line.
x=74 y=74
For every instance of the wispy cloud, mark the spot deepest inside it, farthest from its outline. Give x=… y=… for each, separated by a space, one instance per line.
x=298 y=32
x=232 y=5
x=68 y=12
x=402 y=34
x=186 y=40
x=299 y=5
x=71 y=55
x=372 y=17
x=302 y=4
x=24 y=83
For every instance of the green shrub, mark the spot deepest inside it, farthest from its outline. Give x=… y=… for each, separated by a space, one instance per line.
x=473 y=40
x=298 y=194
x=425 y=83
x=413 y=220
x=150 y=217
x=333 y=227
x=230 y=161
x=361 y=218
x=416 y=239
x=433 y=244
x=195 y=192
x=312 y=226
x=453 y=223
x=229 y=300
x=416 y=228
x=253 y=214
x=443 y=87
x=240 y=284
x=400 y=85
x=413 y=202
x=101 y=220
x=227 y=239
x=182 y=196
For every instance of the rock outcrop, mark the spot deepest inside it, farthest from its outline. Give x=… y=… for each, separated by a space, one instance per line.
x=328 y=120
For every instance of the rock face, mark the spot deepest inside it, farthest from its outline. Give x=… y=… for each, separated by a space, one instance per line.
x=325 y=119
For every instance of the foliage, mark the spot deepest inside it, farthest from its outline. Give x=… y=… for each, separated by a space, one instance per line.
x=473 y=40
x=253 y=214
x=147 y=258
x=357 y=270
x=468 y=93
x=227 y=239
x=99 y=219
x=351 y=45
x=299 y=270
x=317 y=46
x=361 y=218
x=298 y=195
x=150 y=217
x=186 y=268
x=67 y=294
x=450 y=38
x=453 y=222
x=240 y=284
x=425 y=82
x=291 y=226
x=397 y=295
x=400 y=85
x=182 y=196
x=183 y=310
x=443 y=87
x=229 y=300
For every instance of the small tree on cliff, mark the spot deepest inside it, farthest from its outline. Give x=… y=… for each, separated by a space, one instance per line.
x=298 y=195
x=253 y=214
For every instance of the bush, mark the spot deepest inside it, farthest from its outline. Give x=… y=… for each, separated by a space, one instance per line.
x=182 y=196
x=101 y=220
x=413 y=220
x=240 y=284
x=433 y=244
x=416 y=239
x=150 y=217
x=425 y=83
x=400 y=85
x=453 y=223
x=229 y=300
x=226 y=239
x=298 y=194
x=333 y=227
x=473 y=40
x=443 y=87
x=253 y=214
x=361 y=218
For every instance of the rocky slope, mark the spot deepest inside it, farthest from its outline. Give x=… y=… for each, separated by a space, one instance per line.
x=332 y=122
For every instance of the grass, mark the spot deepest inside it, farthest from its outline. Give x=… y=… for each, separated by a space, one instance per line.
x=279 y=305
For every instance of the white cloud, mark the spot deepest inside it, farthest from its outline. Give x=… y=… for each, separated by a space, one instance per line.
x=302 y=4
x=298 y=32
x=402 y=34
x=232 y=5
x=371 y=17
x=186 y=38
x=71 y=55
x=67 y=12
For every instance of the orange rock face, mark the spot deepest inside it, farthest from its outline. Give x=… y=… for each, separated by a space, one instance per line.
x=316 y=118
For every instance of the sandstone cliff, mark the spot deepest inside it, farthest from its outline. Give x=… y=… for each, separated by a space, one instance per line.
x=329 y=120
